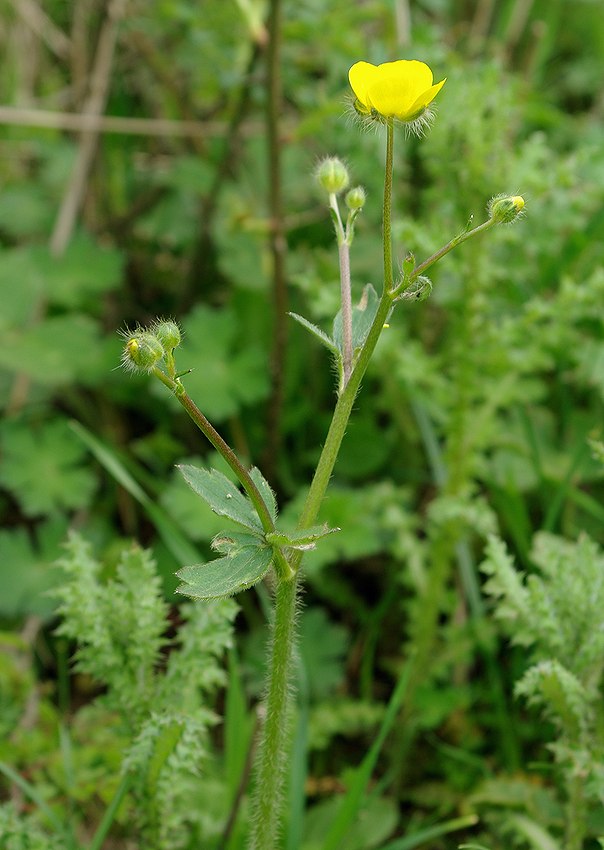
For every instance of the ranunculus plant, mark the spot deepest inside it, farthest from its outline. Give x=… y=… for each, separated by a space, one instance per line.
x=394 y=92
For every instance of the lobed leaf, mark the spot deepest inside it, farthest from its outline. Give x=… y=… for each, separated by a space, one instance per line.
x=247 y=561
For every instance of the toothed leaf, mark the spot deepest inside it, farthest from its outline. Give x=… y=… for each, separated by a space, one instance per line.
x=222 y=496
x=265 y=490
x=304 y=539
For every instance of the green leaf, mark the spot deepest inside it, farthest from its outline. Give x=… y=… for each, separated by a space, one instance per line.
x=59 y=350
x=25 y=210
x=43 y=468
x=222 y=496
x=304 y=539
x=247 y=561
x=265 y=490
x=26 y=571
x=185 y=507
x=375 y=821
x=363 y=315
x=326 y=340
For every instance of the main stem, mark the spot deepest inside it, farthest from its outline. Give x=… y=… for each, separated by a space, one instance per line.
x=270 y=762
x=269 y=777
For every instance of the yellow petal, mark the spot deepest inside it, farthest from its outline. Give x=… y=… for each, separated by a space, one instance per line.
x=361 y=75
x=426 y=98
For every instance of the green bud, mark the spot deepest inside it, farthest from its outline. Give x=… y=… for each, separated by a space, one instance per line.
x=408 y=264
x=332 y=175
x=168 y=333
x=355 y=198
x=142 y=351
x=505 y=208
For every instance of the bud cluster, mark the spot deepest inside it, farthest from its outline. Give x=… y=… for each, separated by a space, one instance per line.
x=333 y=178
x=145 y=348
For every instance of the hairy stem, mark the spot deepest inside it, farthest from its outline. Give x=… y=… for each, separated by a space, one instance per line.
x=386 y=225
x=457 y=240
x=346 y=297
x=268 y=792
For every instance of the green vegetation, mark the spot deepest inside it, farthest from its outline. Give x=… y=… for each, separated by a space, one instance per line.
x=160 y=160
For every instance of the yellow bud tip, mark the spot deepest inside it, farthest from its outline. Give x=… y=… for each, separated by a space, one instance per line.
x=518 y=202
x=386 y=325
x=132 y=346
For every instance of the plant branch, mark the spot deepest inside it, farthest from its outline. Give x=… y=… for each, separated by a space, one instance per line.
x=223 y=448
x=37 y=19
x=346 y=298
x=457 y=240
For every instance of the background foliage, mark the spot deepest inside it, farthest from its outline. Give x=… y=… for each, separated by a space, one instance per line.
x=479 y=418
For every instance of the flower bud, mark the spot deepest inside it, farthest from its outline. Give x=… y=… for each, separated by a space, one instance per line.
x=168 y=334
x=332 y=175
x=355 y=198
x=505 y=208
x=408 y=264
x=142 y=351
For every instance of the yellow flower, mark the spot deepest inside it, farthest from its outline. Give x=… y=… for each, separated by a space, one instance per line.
x=401 y=90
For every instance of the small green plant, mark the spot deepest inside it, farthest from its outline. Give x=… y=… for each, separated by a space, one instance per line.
x=157 y=694
x=557 y=614
x=397 y=92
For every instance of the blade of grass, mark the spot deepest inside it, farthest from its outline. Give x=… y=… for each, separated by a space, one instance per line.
x=351 y=803
x=409 y=842
x=176 y=543
x=111 y=811
x=587 y=503
x=557 y=502
x=30 y=791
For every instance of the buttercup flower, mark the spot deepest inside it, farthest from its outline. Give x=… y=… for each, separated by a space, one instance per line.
x=402 y=90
